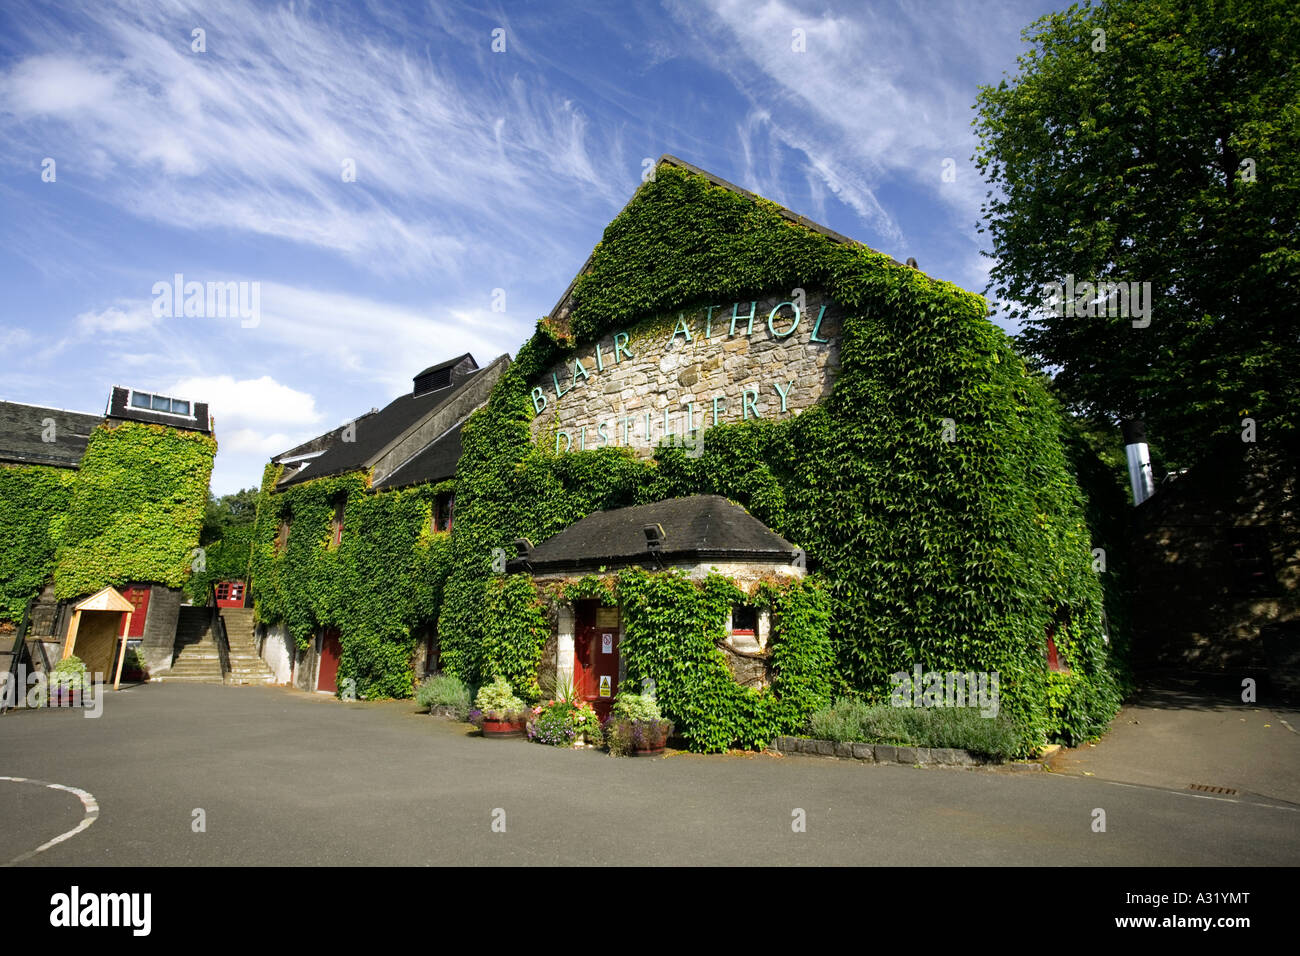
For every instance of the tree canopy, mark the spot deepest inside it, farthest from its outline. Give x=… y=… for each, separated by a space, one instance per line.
x=1155 y=141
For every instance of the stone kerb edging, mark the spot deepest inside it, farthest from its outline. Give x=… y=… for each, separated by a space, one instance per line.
x=888 y=753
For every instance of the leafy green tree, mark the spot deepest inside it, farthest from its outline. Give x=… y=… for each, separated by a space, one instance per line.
x=1156 y=141
x=229 y=511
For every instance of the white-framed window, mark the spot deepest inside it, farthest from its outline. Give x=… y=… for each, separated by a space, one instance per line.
x=151 y=402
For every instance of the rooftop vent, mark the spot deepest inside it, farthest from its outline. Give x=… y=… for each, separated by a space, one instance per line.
x=432 y=381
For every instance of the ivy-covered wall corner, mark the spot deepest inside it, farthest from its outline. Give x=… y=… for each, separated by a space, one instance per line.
x=931 y=490
x=33 y=508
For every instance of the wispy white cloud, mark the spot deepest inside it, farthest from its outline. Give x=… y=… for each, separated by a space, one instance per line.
x=252 y=134
x=874 y=101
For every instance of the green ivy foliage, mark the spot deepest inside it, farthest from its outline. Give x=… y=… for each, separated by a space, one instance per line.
x=225 y=559
x=33 y=504
x=135 y=510
x=955 y=555
x=378 y=586
x=515 y=629
x=672 y=631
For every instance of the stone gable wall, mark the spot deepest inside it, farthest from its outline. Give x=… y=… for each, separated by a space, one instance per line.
x=605 y=399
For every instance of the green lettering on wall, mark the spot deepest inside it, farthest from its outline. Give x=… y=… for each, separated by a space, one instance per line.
x=817 y=326
x=749 y=403
x=735 y=314
x=620 y=345
x=568 y=441
x=600 y=365
x=716 y=400
x=771 y=319
x=537 y=394
x=558 y=392
x=680 y=329
x=708 y=322
x=579 y=367
x=783 y=392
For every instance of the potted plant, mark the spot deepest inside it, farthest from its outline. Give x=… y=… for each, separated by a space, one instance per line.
x=566 y=721
x=499 y=712
x=68 y=682
x=133 y=667
x=636 y=727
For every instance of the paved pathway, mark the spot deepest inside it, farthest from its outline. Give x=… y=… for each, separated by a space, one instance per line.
x=284 y=777
x=1183 y=733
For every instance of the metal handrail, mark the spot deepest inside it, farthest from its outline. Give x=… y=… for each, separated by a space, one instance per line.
x=16 y=654
x=218 y=626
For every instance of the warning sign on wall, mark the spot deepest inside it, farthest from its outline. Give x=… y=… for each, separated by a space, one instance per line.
x=607 y=643
x=604 y=685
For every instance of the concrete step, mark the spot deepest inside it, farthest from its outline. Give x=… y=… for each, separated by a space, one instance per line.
x=189 y=678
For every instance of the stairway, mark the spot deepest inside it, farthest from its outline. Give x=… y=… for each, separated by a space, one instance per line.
x=197 y=658
x=246 y=665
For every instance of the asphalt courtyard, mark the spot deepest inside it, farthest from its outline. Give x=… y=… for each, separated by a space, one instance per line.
x=280 y=777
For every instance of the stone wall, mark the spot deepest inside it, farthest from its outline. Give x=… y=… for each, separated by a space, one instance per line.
x=158 y=643
x=690 y=370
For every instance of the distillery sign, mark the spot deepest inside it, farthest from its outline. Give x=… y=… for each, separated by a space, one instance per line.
x=757 y=359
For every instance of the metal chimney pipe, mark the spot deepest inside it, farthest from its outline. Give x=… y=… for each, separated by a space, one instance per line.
x=1138 y=454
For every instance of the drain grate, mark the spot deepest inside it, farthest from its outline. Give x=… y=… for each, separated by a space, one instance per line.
x=1204 y=788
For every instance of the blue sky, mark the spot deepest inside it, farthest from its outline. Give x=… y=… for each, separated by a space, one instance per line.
x=475 y=170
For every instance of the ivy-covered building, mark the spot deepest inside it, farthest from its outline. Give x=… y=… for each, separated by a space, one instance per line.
x=349 y=549
x=872 y=417
x=701 y=536
x=92 y=501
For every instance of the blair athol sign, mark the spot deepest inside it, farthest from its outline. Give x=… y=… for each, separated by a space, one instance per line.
x=672 y=376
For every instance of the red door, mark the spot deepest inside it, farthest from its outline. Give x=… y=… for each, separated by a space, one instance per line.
x=138 y=595
x=595 y=654
x=230 y=594
x=331 y=649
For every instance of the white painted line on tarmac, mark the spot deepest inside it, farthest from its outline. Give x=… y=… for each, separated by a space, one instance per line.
x=87 y=800
x=1202 y=796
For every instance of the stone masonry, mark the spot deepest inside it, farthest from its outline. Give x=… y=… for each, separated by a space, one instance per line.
x=728 y=371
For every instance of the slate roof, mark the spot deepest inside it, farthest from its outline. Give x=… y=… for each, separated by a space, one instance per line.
x=447 y=364
x=22 y=426
x=377 y=431
x=436 y=462
x=373 y=435
x=698 y=528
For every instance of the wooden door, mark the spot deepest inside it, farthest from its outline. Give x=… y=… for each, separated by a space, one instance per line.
x=331 y=649
x=595 y=654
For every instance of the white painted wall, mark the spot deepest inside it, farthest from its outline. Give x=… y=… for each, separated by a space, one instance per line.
x=276 y=651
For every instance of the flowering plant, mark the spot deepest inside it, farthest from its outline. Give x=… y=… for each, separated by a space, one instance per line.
x=561 y=723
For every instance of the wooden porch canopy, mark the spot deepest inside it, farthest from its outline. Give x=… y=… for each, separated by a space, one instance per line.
x=111 y=601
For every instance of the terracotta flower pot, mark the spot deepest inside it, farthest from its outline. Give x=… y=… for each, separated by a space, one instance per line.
x=503 y=728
